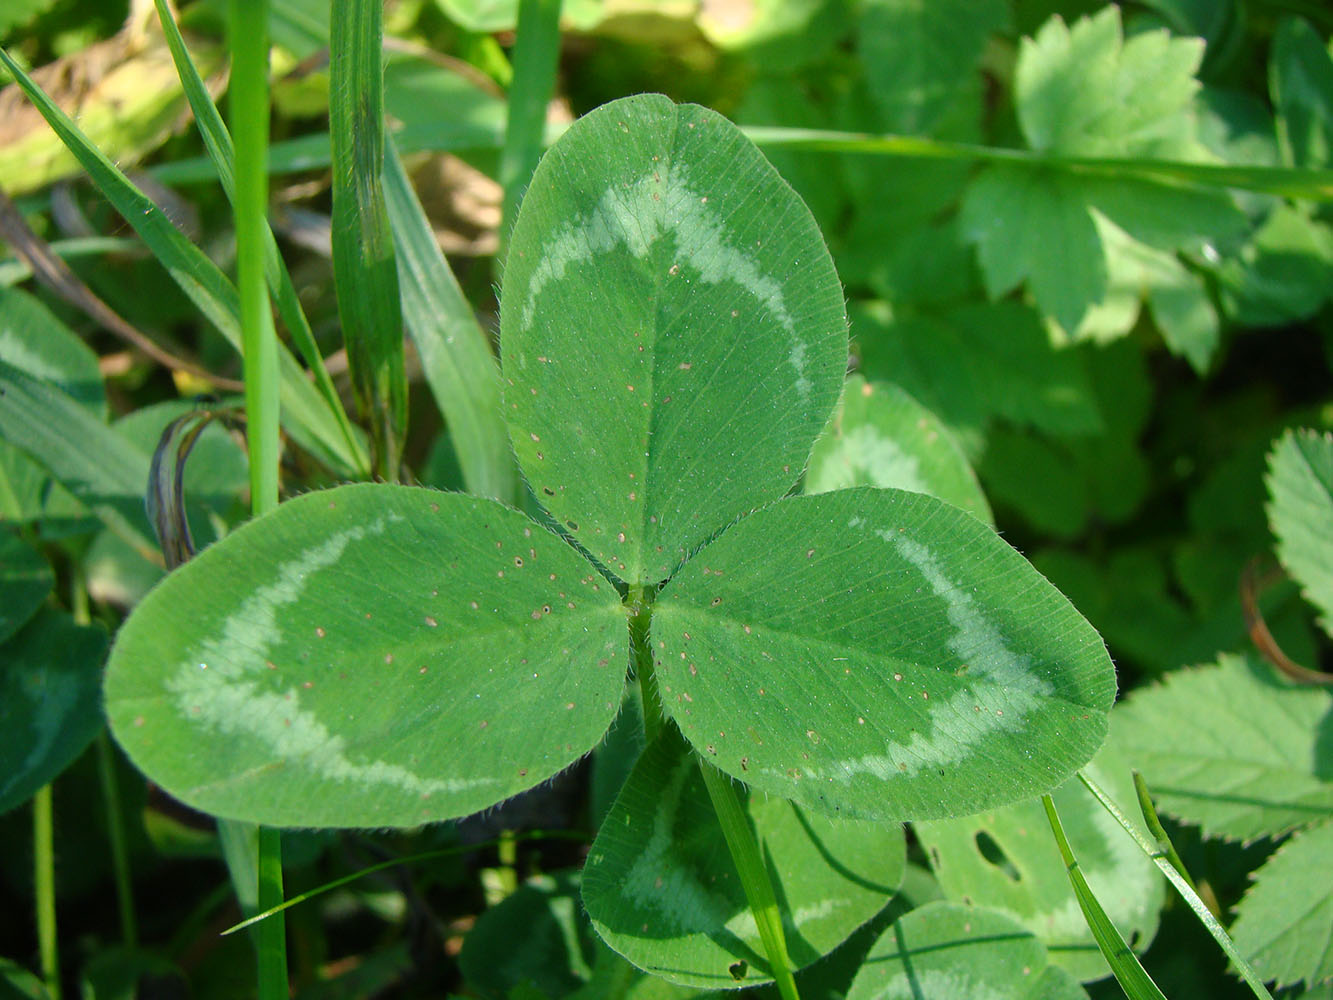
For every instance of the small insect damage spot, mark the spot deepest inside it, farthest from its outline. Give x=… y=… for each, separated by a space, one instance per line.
x=431 y=622
x=319 y=631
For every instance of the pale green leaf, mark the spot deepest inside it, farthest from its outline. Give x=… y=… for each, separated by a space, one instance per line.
x=1086 y=91
x=672 y=332
x=25 y=580
x=1300 y=77
x=1300 y=483
x=1232 y=748
x=1284 y=925
x=426 y=654
x=1282 y=274
x=49 y=710
x=947 y=951
x=662 y=889
x=1007 y=860
x=881 y=436
x=889 y=657
x=920 y=57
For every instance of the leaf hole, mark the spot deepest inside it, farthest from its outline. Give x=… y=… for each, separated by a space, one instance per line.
x=994 y=854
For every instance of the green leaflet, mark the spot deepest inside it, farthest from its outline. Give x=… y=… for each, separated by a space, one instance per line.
x=949 y=950
x=672 y=333
x=1300 y=78
x=889 y=657
x=1282 y=924
x=25 y=580
x=661 y=888
x=1027 y=878
x=1086 y=92
x=49 y=711
x=1300 y=483
x=1232 y=747
x=881 y=436
x=424 y=654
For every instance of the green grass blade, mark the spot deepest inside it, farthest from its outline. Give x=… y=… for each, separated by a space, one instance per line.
x=249 y=98
x=44 y=887
x=363 y=255
x=1183 y=887
x=197 y=276
x=536 y=53
x=1157 y=830
x=455 y=353
x=1129 y=973
x=220 y=149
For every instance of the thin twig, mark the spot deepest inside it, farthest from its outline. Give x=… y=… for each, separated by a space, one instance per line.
x=55 y=274
x=1250 y=588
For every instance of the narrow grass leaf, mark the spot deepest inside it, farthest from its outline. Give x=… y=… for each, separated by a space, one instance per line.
x=950 y=950
x=1129 y=973
x=662 y=889
x=221 y=151
x=49 y=708
x=364 y=270
x=672 y=332
x=198 y=277
x=1182 y=886
x=456 y=356
x=536 y=54
x=427 y=654
x=1004 y=859
x=952 y=677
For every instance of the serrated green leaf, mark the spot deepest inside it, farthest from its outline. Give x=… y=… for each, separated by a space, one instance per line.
x=1086 y=91
x=25 y=580
x=1300 y=483
x=49 y=710
x=892 y=658
x=720 y=336
x=429 y=654
x=881 y=436
x=972 y=363
x=1007 y=860
x=1230 y=747
x=1300 y=78
x=919 y=57
x=662 y=889
x=1284 y=925
x=942 y=951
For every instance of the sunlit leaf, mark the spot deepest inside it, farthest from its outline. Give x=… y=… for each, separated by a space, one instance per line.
x=889 y=657
x=1300 y=483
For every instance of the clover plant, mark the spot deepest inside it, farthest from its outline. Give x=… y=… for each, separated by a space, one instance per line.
x=673 y=340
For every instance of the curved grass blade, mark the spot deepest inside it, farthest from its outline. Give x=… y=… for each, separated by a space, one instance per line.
x=456 y=357
x=198 y=277
x=166 y=485
x=364 y=270
x=409 y=859
x=1129 y=973
x=218 y=142
x=536 y=52
x=1182 y=886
